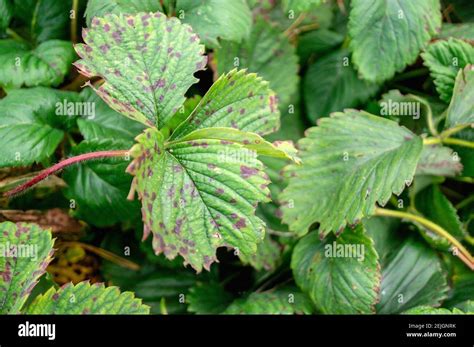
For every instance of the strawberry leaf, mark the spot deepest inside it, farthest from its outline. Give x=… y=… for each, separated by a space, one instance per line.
x=25 y=252
x=461 y=108
x=146 y=68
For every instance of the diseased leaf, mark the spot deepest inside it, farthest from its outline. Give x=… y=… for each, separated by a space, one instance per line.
x=208 y=298
x=99 y=8
x=236 y=100
x=389 y=35
x=330 y=85
x=25 y=252
x=216 y=19
x=45 y=65
x=444 y=59
x=105 y=123
x=461 y=108
x=146 y=68
x=267 y=52
x=107 y=179
x=32 y=124
x=84 y=298
x=281 y=301
x=433 y=205
x=341 y=275
x=438 y=161
x=351 y=161
x=411 y=277
x=198 y=195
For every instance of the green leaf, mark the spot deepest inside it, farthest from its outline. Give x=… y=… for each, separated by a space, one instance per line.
x=236 y=100
x=6 y=12
x=438 y=161
x=461 y=108
x=214 y=19
x=31 y=125
x=267 y=52
x=434 y=206
x=411 y=277
x=300 y=5
x=84 y=298
x=45 y=19
x=389 y=35
x=281 y=301
x=330 y=85
x=351 y=161
x=462 y=282
x=219 y=181
x=45 y=65
x=341 y=275
x=107 y=179
x=445 y=59
x=267 y=257
x=99 y=8
x=463 y=31
x=383 y=231
x=105 y=123
x=25 y=252
x=432 y=310
x=208 y=298
x=318 y=42
x=146 y=60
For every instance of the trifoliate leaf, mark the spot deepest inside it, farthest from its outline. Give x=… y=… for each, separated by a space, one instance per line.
x=411 y=277
x=236 y=100
x=351 y=161
x=105 y=123
x=45 y=65
x=219 y=181
x=341 y=275
x=267 y=256
x=146 y=68
x=208 y=298
x=45 y=19
x=444 y=59
x=216 y=19
x=434 y=206
x=424 y=310
x=107 y=179
x=461 y=108
x=439 y=161
x=25 y=252
x=300 y=5
x=99 y=8
x=388 y=35
x=281 y=301
x=84 y=298
x=32 y=124
x=267 y=52
x=331 y=84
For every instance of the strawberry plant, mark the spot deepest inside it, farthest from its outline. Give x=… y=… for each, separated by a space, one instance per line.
x=236 y=157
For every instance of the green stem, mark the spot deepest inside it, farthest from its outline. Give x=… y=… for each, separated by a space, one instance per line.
x=463 y=253
x=14 y=35
x=75 y=9
x=451 y=131
x=449 y=141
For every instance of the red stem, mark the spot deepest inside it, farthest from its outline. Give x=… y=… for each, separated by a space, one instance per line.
x=61 y=165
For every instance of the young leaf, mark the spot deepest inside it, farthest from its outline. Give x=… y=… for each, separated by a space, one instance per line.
x=444 y=59
x=45 y=65
x=438 y=161
x=105 y=123
x=388 y=35
x=146 y=68
x=461 y=108
x=208 y=298
x=411 y=277
x=341 y=275
x=267 y=52
x=281 y=301
x=236 y=100
x=216 y=19
x=84 y=298
x=351 y=161
x=25 y=252
x=32 y=124
x=330 y=85
x=433 y=205
x=219 y=181
x=107 y=179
